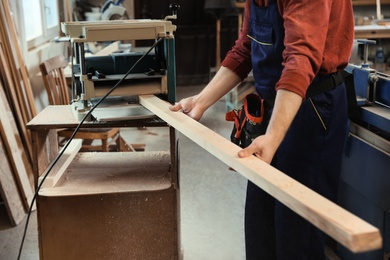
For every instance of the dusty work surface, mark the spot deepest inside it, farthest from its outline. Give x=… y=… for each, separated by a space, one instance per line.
x=98 y=173
x=53 y=117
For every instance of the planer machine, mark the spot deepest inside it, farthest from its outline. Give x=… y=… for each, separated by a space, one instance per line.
x=94 y=76
x=365 y=176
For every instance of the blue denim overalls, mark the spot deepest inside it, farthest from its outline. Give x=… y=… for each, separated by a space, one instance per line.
x=310 y=153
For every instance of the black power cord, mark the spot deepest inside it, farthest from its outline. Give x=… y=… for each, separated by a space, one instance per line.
x=71 y=138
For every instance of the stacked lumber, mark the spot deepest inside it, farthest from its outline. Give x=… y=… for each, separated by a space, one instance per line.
x=17 y=108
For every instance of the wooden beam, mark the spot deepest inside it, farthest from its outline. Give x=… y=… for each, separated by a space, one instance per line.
x=30 y=103
x=9 y=189
x=60 y=167
x=113 y=47
x=16 y=153
x=346 y=228
x=12 y=96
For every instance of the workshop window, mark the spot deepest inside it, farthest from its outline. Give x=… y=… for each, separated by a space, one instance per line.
x=41 y=21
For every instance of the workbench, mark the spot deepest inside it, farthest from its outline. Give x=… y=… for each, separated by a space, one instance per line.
x=104 y=205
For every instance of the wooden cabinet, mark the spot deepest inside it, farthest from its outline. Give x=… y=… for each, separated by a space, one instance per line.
x=104 y=205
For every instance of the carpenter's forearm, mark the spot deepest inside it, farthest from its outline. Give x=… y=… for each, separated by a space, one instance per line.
x=286 y=107
x=224 y=81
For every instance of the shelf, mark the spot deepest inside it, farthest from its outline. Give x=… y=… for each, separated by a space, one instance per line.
x=372 y=35
x=369 y=2
x=372 y=32
x=240 y=4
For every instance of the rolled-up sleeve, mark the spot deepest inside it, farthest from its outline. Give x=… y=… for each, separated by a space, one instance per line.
x=318 y=39
x=238 y=59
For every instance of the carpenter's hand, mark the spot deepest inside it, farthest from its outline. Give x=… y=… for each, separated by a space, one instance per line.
x=189 y=107
x=263 y=147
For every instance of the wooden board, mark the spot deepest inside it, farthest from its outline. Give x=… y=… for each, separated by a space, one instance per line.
x=16 y=83
x=10 y=84
x=48 y=119
x=346 y=228
x=9 y=189
x=113 y=47
x=27 y=91
x=62 y=164
x=15 y=150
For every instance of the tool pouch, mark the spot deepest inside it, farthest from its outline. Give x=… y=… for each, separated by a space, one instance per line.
x=249 y=120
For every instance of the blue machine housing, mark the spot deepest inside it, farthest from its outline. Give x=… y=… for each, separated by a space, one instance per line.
x=365 y=176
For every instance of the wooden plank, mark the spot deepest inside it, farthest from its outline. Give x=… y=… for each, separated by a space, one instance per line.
x=9 y=190
x=48 y=119
x=15 y=150
x=346 y=228
x=113 y=47
x=45 y=149
x=22 y=67
x=9 y=61
x=60 y=167
x=12 y=98
x=68 y=6
x=18 y=89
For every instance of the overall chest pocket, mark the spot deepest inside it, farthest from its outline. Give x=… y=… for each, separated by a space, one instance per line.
x=262 y=37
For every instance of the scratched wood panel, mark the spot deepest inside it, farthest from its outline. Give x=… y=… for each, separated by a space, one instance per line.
x=346 y=228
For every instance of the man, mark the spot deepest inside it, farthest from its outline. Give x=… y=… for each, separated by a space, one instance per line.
x=296 y=49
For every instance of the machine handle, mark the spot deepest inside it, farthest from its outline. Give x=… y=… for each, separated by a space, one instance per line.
x=366 y=42
x=173 y=7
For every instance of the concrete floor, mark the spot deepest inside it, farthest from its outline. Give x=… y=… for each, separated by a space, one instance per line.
x=212 y=197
